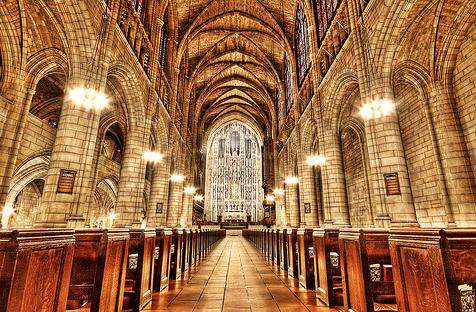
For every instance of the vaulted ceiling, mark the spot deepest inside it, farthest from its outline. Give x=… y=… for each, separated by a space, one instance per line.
x=232 y=55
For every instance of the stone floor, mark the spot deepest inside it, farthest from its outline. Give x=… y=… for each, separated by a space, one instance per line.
x=235 y=277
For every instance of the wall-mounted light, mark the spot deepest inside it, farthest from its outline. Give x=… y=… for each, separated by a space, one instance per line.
x=7 y=212
x=291 y=180
x=316 y=160
x=177 y=178
x=88 y=98
x=190 y=190
x=153 y=157
x=270 y=198
x=198 y=198
x=278 y=192
x=376 y=109
x=112 y=215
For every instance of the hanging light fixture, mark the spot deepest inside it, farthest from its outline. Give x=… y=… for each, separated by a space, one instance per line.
x=291 y=180
x=376 y=109
x=278 y=192
x=177 y=178
x=190 y=190
x=88 y=98
x=153 y=157
x=316 y=160
x=88 y=95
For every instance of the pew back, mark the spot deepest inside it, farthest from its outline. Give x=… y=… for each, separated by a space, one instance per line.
x=99 y=269
x=35 y=267
x=430 y=265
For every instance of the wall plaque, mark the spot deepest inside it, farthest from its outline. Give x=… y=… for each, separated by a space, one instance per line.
x=159 y=208
x=307 y=207
x=66 y=181
x=392 y=185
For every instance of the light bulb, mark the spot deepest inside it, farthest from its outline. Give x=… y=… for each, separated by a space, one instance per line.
x=291 y=180
x=177 y=178
x=278 y=192
x=316 y=160
x=190 y=190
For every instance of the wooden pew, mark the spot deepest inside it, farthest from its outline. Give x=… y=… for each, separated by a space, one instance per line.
x=99 y=270
x=269 y=250
x=35 y=268
x=283 y=250
x=140 y=269
x=291 y=244
x=275 y=247
x=430 y=265
x=176 y=254
x=194 y=251
x=327 y=271
x=365 y=261
x=162 y=259
x=305 y=258
x=187 y=250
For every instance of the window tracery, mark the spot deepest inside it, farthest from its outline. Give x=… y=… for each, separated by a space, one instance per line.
x=234 y=176
x=325 y=12
x=164 y=41
x=288 y=84
x=302 y=44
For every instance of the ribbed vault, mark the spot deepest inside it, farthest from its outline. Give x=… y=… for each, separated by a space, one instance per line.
x=231 y=60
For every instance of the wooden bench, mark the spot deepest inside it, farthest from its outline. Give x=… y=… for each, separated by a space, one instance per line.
x=327 y=271
x=140 y=269
x=269 y=249
x=292 y=250
x=99 y=270
x=187 y=250
x=365 y=265
x=35 y=268
x=283 y=250
x=176 y=254
x=434 y=269
x=194 y=246
x=305 y=258
x=275 y=238
x=162 y=258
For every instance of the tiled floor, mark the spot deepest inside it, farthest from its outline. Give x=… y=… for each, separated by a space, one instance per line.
x=235 y=277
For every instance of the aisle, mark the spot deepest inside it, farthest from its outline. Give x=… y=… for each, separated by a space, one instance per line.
x=234 y=277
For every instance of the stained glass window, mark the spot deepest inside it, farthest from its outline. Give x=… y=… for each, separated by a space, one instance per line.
x=277 y=100
x=163 y=41
x=325 y=12
x=302 y=44
x=288 y=83
x=234 y=178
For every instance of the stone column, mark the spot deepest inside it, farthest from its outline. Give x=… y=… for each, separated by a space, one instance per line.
x=454 y=157
x=158 y=195
x=175 y=201
x=73 y=150
x=11 y=134
x=336 y=211
x=292 y=207
x=386 y=155
x=308 y=195
x=132 y=180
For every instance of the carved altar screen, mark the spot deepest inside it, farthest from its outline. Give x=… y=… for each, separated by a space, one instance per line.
x=233 y=174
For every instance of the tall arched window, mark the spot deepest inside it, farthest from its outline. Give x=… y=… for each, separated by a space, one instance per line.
x=164 y=36
x=234 y=173
x=277 y=100
x=325 y=12
x=288 y=84
x=302 y=44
